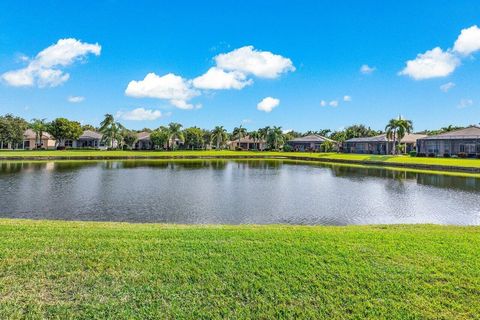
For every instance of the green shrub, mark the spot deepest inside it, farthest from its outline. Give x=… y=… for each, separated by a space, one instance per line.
x=413 y=153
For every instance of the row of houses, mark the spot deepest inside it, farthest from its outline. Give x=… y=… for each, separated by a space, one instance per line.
x=88 y=139
x=465 y=142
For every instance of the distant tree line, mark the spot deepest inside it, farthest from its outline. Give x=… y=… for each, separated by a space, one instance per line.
x=115 y=135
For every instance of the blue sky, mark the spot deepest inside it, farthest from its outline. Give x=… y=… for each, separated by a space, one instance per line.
x=302 y=54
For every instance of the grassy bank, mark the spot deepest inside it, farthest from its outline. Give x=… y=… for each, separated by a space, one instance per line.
x=407 y=161
x=112 y=270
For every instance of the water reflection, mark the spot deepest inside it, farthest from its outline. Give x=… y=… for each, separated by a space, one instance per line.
x=232 y=192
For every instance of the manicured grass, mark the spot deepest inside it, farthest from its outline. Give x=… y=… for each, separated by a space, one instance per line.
x=453 y=162
x=112 y=270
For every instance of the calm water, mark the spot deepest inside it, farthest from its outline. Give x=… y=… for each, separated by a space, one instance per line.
x=233 y=192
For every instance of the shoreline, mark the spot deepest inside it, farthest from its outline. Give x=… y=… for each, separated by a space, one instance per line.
x=383 y=161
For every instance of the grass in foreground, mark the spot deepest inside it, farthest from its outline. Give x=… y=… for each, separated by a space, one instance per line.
x=112 y=270
x=455 y=162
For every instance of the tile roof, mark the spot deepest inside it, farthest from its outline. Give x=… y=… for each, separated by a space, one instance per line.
x=409 y=138
x=472 y=132
x=88 y=134
x=311 y=138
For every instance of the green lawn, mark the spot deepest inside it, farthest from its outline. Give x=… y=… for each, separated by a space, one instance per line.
x=113 y=270
x=454 y=162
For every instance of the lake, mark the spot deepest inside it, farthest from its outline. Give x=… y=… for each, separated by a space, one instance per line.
x=234 y=192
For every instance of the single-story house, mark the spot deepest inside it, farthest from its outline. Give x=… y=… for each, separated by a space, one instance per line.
x=311 y=142
x=88 y=139
x=379 y=144
x=30 y=141
x=465 y=142
x=143 y=141
x=247 y=143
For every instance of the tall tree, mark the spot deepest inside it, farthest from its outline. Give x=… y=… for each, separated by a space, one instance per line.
x=219 y=135
x=12 y=129
x=112 y=131
x=39 y=126
x=275 y=137
x=238 y=133
x=255 y=136
x=175 y=132
x=264 y=132
x=129 y=138
x=63 y=129
x=396 y=130
x=159 y=138
x=193 y=138
x=86 y=127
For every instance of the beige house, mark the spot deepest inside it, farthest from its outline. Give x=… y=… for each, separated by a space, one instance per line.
x=380 y=144
x=247 y=143
x=30 y=141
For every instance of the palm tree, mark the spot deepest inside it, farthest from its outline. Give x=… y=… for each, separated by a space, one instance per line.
x=38 y=126
x=396 y=130
x=275 y=137
x=111 y=130
x=264 y=132
x=175 y=132
x=219 y=134
x=255 y=135
x=239 y=133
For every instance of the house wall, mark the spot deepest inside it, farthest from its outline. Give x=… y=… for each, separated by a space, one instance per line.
x=85 y=143
x=305 y=146
x=248 y=146
x=143 y=145
x=449 y=146
x=367 y=147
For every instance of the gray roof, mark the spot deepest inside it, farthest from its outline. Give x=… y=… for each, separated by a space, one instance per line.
x=88 y=134
x=144 y=135
x=472 y=132
x=408 y=138
x=379 y=138
x=311 y=139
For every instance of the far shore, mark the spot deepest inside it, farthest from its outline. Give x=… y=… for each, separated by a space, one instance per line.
x=471 y=166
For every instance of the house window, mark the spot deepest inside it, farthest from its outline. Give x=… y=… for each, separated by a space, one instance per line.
x=68 y=143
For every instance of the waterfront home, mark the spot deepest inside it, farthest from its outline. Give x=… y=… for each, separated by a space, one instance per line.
x=88 y=139
x=311 y=142
x=379 y=144
x=464 y=143
x=30 y=141
x=143 y=141
x=247 y=143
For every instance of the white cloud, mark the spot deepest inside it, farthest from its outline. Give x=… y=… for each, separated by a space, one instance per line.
x=464 y=103
x=267 y=104
x=139 y=114
x=75 y=99
x=247 y=60
x=323 y=103
x=468 y=41
x=333 y=103
x=431 y=64
x=218 y=79
x=45 y=70
x=247 y=121
x=366 y=69
x=169 y=87
x=447 y=86
x=347 y=98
